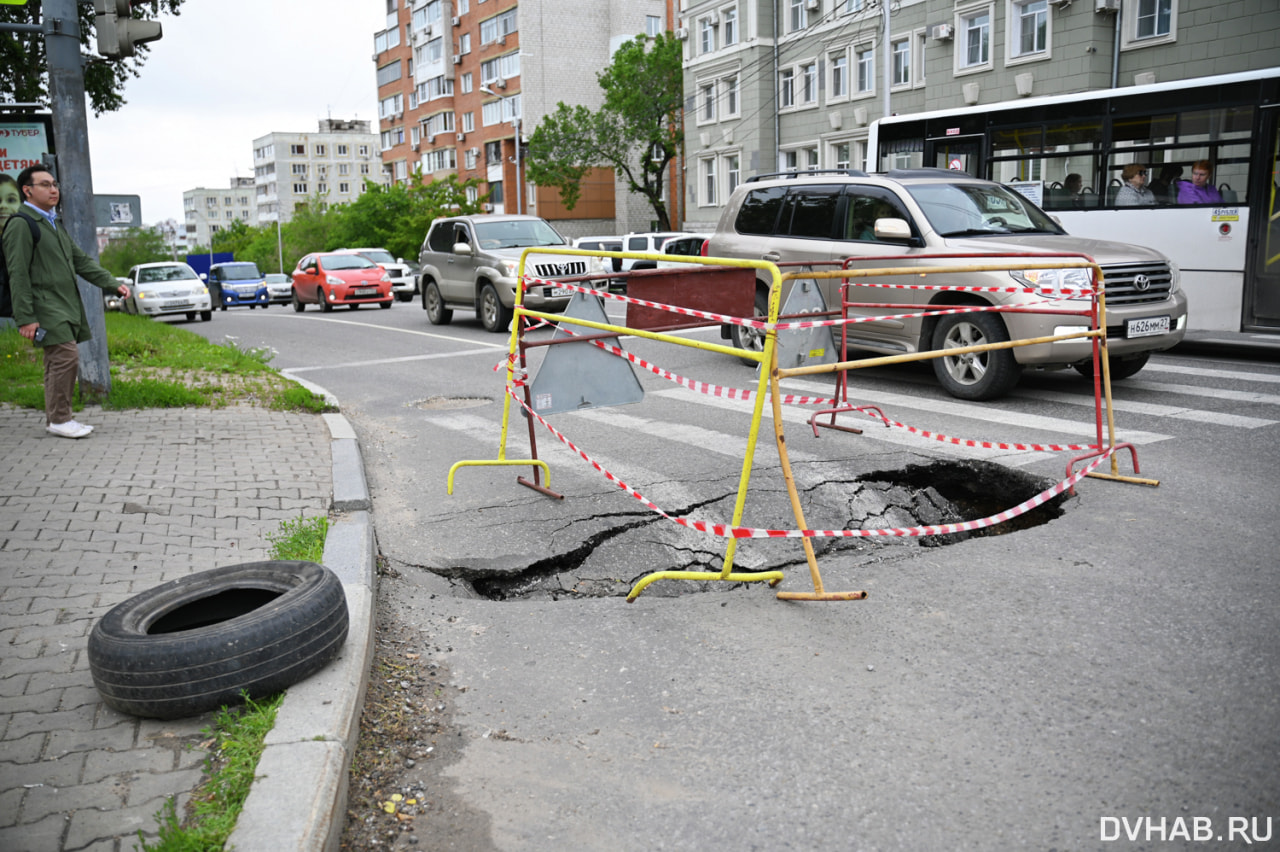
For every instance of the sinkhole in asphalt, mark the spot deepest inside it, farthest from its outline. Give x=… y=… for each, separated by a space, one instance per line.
x=937 y=493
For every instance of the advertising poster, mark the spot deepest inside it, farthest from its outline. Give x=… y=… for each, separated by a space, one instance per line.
x=24 y=140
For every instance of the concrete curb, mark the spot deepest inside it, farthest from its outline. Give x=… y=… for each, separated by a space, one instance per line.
x=298 y=800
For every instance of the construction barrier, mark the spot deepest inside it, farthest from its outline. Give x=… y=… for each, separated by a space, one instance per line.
x=734 y=282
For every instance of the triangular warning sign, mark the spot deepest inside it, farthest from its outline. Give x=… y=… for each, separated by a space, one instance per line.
x=579 y=375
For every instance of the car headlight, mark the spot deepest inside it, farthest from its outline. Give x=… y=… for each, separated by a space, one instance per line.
x=199 y=290
x=1175 y=278
x=385 y=277
x=144 y=294
x=334 y=280
x=1055 y=280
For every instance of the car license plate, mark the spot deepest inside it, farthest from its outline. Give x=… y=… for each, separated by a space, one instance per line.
x=365 y=291
x=178 y=303
x=554 y=292
x=1146 y=327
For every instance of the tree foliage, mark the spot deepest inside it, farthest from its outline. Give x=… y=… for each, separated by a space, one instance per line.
x=393 y=217
x=24 y=67
x=138 y=245
x=636 y=132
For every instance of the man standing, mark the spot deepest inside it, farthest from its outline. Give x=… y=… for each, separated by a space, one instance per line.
x=46 y=300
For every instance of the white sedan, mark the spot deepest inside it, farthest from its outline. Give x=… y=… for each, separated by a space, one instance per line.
x=156 y=289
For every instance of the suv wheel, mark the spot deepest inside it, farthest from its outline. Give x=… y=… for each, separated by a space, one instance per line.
x=975 y=375
x=1120 y=368
x=494 y=315
x=752 y=339
x=437 y=313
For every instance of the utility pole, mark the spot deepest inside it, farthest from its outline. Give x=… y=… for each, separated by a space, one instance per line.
x=74 y=174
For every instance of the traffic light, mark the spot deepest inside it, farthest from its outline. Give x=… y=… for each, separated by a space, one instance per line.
x=118 y=31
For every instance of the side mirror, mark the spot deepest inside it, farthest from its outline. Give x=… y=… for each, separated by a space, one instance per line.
x=204 y=276
x=893 y=229
x=463 y=249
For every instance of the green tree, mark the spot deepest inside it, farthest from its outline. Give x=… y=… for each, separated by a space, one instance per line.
x=24 y=69
x=636 y=132
x=138 y=245
x=397 y=217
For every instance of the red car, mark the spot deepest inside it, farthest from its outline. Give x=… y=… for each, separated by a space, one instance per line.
x=330 y=278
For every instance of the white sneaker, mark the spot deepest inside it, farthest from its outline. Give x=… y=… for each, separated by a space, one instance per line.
x=70 y=429
x=87 y=428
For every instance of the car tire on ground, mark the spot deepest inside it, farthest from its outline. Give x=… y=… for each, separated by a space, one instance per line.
x=297 y=306
x=976 y=375
x=325 y=304
x=437 y=313
x=194 y=643
x=494 y=316
x=1119 y=368
x=751 y=339
x=404 y=297
x=205 y=316
x=191 y=316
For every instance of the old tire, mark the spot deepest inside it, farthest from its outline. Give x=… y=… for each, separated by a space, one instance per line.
x=976 y=375
x=494 y=316
x=437 y=313
x=194 y=643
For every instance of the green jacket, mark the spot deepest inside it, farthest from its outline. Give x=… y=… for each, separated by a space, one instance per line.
x=43 y=287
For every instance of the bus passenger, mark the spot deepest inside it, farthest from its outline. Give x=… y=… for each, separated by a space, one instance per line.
x=1134 y=193
x=1165 y=187
x=1200 y=190
x=1073 y=184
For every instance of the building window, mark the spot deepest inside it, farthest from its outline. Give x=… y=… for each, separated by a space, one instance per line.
x=299 y=189
x=467 y=84
x=464 y=44
x=729 y=20
x=299 y=168
x=708 y=111
x=706 y=35
x=839 y=65
x=730 y=96
x=1155 y=18
x=901 y=62
x=786 y=88
x=840 y=155
x=853 y=5
x=797 y=17
x=1029 y=23
x=733 y=172
x=921 y=38
x=975 y=47
x=866 y=59
x=300 y=150
x=809 y=83
x=709 y=181
x=652 y=25
x=789 y=161
x=498 y=27
x=468 y=122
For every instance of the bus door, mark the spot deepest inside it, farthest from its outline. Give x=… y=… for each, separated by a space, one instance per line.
x=1262 y=266
x=958 y=153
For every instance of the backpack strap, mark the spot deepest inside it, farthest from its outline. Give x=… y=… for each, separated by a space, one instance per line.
x=32 y=225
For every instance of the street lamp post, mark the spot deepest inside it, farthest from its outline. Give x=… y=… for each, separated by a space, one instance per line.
x=515 y=122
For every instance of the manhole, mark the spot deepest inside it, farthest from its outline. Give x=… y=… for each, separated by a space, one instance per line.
x=450 y=403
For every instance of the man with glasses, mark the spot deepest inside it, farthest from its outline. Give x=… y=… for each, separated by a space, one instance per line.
x=46 y=300
x=1200 y=190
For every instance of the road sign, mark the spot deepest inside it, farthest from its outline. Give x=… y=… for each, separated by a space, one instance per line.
x=117 y=211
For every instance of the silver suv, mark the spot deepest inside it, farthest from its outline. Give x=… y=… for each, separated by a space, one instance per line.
x=472 y=263
x=826 y=216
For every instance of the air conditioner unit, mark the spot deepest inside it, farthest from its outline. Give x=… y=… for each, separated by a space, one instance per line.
x=457 y=59
x=416 y=147
x=813 y=5
x=714 y=17
x=1106 y=6
x=429 y=30
x=475 y=152
x=456 y=20
x=942 y=32
x=487 y=207
x=682 y=33
x=500 y=83
x=431 y=137
x=502 y=39
x=461 y=136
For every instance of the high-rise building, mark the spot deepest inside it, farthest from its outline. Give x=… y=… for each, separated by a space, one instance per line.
x=330 y=164
x=207 y=211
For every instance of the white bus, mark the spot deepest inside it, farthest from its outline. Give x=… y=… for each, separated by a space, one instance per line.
x=1069 y=153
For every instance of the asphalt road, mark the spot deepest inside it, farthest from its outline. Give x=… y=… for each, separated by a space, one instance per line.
x=1106 y=675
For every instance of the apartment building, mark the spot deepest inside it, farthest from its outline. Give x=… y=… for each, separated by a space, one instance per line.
x=776 y=85
x=207 y=211
x=459 y=81
x=332 y=163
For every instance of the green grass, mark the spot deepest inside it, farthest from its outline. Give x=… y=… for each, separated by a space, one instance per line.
x=157 y=365
x=302 y=539
x=237 y=735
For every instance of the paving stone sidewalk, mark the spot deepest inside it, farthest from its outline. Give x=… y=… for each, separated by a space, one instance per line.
x=84 y=524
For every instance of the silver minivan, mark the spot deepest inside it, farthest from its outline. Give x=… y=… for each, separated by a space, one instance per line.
x=900 y=217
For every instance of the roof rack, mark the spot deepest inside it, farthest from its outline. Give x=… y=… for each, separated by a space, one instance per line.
x=925 y=171
x=807 y=173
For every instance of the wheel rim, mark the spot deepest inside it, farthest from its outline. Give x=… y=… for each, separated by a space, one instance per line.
x=967 y=368
x=433 y=303
x=489 y=306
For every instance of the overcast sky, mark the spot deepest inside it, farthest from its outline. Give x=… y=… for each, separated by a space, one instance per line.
x=225 y=73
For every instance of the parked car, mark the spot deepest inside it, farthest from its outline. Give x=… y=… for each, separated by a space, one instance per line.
x=112 y=301
x=690 y=245
x=472 y=262
x=827 y=216
x=404 y=283
x=237 y=283
x=645 y=242
x=279 y=288
x=602 y=244
x=340 y=278
x=157 y=289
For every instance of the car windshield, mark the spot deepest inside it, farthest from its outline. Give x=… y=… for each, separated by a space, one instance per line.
x=345 y=261
x=979 y=209
x=378 y=256
x=165 y=273
x=240 y=272
x=517 y=233
x=277 y=278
